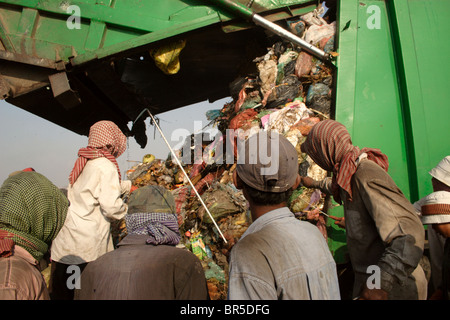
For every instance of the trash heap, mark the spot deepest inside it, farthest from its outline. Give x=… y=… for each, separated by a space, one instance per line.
x=290 y=92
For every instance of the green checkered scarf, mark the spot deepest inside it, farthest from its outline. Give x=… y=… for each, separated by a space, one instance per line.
x=33 y=209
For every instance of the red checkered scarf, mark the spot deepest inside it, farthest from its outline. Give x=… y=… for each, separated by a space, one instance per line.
x=105 y=140
x=6 y=243
x=330 y=146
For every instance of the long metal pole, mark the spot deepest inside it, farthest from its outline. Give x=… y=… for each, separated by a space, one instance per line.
x=258 y=20
x=248 y=14
x=182 y=169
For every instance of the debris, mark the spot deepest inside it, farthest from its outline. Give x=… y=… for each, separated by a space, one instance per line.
x=290 y=92
x=148 y=158
x=167 y=57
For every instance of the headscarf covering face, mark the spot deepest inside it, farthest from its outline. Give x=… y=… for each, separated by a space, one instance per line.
x=32 y=211
x=105 y=140
x=151 y=211
x=330 y=146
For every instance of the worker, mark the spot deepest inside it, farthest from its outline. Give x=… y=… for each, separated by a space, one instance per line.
x=146 y=265
x=385 y=237
x=440 y=181
x=32 y=211
x=279 y=256
x=95 y=193
x=435 y=211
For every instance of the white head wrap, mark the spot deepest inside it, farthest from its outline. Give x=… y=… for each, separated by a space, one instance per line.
x=442 y=171
x=436 y=208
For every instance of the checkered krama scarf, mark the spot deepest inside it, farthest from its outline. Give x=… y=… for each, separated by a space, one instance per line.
x=330 y=146
x=151 y=212
x=32 y=211
x=105 y=140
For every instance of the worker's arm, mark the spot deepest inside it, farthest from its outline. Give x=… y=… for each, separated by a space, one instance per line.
x=323 y=185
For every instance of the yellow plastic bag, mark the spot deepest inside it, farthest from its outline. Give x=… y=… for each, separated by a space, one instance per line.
x=167 y=57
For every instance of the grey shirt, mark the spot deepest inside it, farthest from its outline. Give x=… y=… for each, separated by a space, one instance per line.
x=280 y=257
x=383 y=230
x=136 y=270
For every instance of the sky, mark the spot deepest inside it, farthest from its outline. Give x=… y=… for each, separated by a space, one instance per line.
x=30 y=141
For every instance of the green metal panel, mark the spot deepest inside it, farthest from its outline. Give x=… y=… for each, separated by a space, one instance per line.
x=421 y=42
x=367 y=95
x=392 y=79
x=39 y=28
x=368 y=101
x=392 y=84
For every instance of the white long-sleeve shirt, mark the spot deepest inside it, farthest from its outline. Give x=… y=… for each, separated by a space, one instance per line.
x=94 y=201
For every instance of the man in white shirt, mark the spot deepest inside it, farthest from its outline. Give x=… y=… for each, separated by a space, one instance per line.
x=94 y=193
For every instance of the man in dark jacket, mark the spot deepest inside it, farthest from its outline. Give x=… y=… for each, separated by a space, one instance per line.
x=146 y=264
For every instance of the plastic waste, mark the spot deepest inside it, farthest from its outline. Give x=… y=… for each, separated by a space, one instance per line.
x=198 y=246
x=289 y=89
x=303 y=64
x=319 y=98
x=305 y=125
x=316 y=33
x=148 y=158
x=314 y=17
x=214 y=271
x=167 y=57
x=219 y=201
x=282 y=120
x=213 y=114
x=268 y=72
x=286 y=65
x=297 y=27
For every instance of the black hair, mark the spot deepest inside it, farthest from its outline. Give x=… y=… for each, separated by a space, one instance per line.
x=265 y=198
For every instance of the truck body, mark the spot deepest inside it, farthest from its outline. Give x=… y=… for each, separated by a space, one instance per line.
x=76 y=62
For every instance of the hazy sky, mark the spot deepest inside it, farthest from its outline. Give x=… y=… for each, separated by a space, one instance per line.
x=31 y=141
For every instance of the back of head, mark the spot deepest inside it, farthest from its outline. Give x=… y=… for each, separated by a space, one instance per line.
x=442 y=171
x=267 y=163
x=436 y=208
x=107 y=135
x=151 y=212
x=327 y=142
x=32 y=210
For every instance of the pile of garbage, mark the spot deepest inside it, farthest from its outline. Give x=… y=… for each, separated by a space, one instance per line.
x=290 y=92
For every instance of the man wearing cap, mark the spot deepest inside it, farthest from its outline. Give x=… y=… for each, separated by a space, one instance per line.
x=279 y=256
x=435 y=210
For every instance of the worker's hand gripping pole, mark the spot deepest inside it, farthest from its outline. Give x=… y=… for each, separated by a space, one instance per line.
x=182 y=169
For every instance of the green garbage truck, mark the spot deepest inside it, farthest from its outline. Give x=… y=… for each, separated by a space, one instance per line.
x=76 y=62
